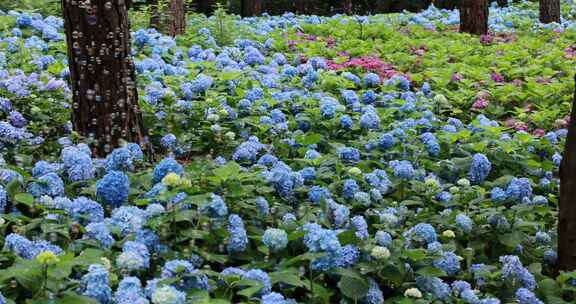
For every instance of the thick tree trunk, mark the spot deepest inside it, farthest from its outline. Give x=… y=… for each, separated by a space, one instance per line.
x=567 y=212
x=251 y=8
x=474 y=16
x=549 y=11
x=155 y=17
x=105 y=99
x=177 y=18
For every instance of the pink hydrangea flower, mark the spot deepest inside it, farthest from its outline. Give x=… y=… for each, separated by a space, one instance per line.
x=480 y=104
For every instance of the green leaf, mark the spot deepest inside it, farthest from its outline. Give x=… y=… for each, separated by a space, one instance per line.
x=415 y=254
x=511 y=239
x=287 y=277
x=354 y=287
x=24 y=198
x=228 y=171
x=430 y=271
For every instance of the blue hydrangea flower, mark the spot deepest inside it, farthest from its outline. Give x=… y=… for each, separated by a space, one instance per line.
x=350 y=188
x=346 y=122
x=498 y=195
x=78 y=163
x=383 y=238
x=370 y=119
x=261 y=277
x=374 y=295
x=422 y=233
x=130 y=292
x=349 y=154
x=190 y=278
x=464 y=223
x=96 y=284
x=237 y=240
x=44 y=167
x=434 y=286
x=479 y=169
x=168 y=295
x=262 y=206
x=525 y=296
x=134 y=256
x=371 y=80
x=120 y=159
x=518 y=189
x=113 y=188
x=49 y=184
x=216 y=208
x=3 y=199
x=127 y=219
x=275 y=239
x=318 y=239
x=449 y=262
x=431 y=143
x=167 y=165
x=512 y=269
x=100 y=233
x=82 y=209
x=403 y=169
x=360 y=226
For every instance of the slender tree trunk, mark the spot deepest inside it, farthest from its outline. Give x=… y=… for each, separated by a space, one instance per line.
x=474 y=16
x=567 y=213
x=348 y=7
x=155 y=20
x=549 y=11
x=105 y=100
x=301 y=6
x=251 y=8
x=177 y=18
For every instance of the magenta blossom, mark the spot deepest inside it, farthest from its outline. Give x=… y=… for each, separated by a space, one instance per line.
x=480 y=104
x=456 y=77
x=539 y=132
x=497 y=77
x=486 y=39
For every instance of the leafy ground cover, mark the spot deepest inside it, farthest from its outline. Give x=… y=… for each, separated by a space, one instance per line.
x=301 y=159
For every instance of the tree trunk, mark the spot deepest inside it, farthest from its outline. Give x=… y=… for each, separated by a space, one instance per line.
x=251 y=8
x=155 y=20
x=474 y=16
x=567 y=212
x=177 y=18
x=205 y=7
x=348 y=7
x=550 y=11
x=301 y=7
x=103 y=82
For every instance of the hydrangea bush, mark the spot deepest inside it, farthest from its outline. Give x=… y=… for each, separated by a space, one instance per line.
x=306 y=160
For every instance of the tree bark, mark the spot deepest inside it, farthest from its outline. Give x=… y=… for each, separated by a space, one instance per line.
x=105 y=99
x=348 y=7
x=155 y=18
x=251 y=8
x=567 y=212
x=474 y=16
x=177 y=18
x=301 y=6
x=205 y=7
x=550 y=11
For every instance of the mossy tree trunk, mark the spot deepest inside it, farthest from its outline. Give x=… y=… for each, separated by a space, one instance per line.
x=155 y=17
x=474 y=16
x=549 y=11
x=176 y=18
x=105 y=106
x=567 y=212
